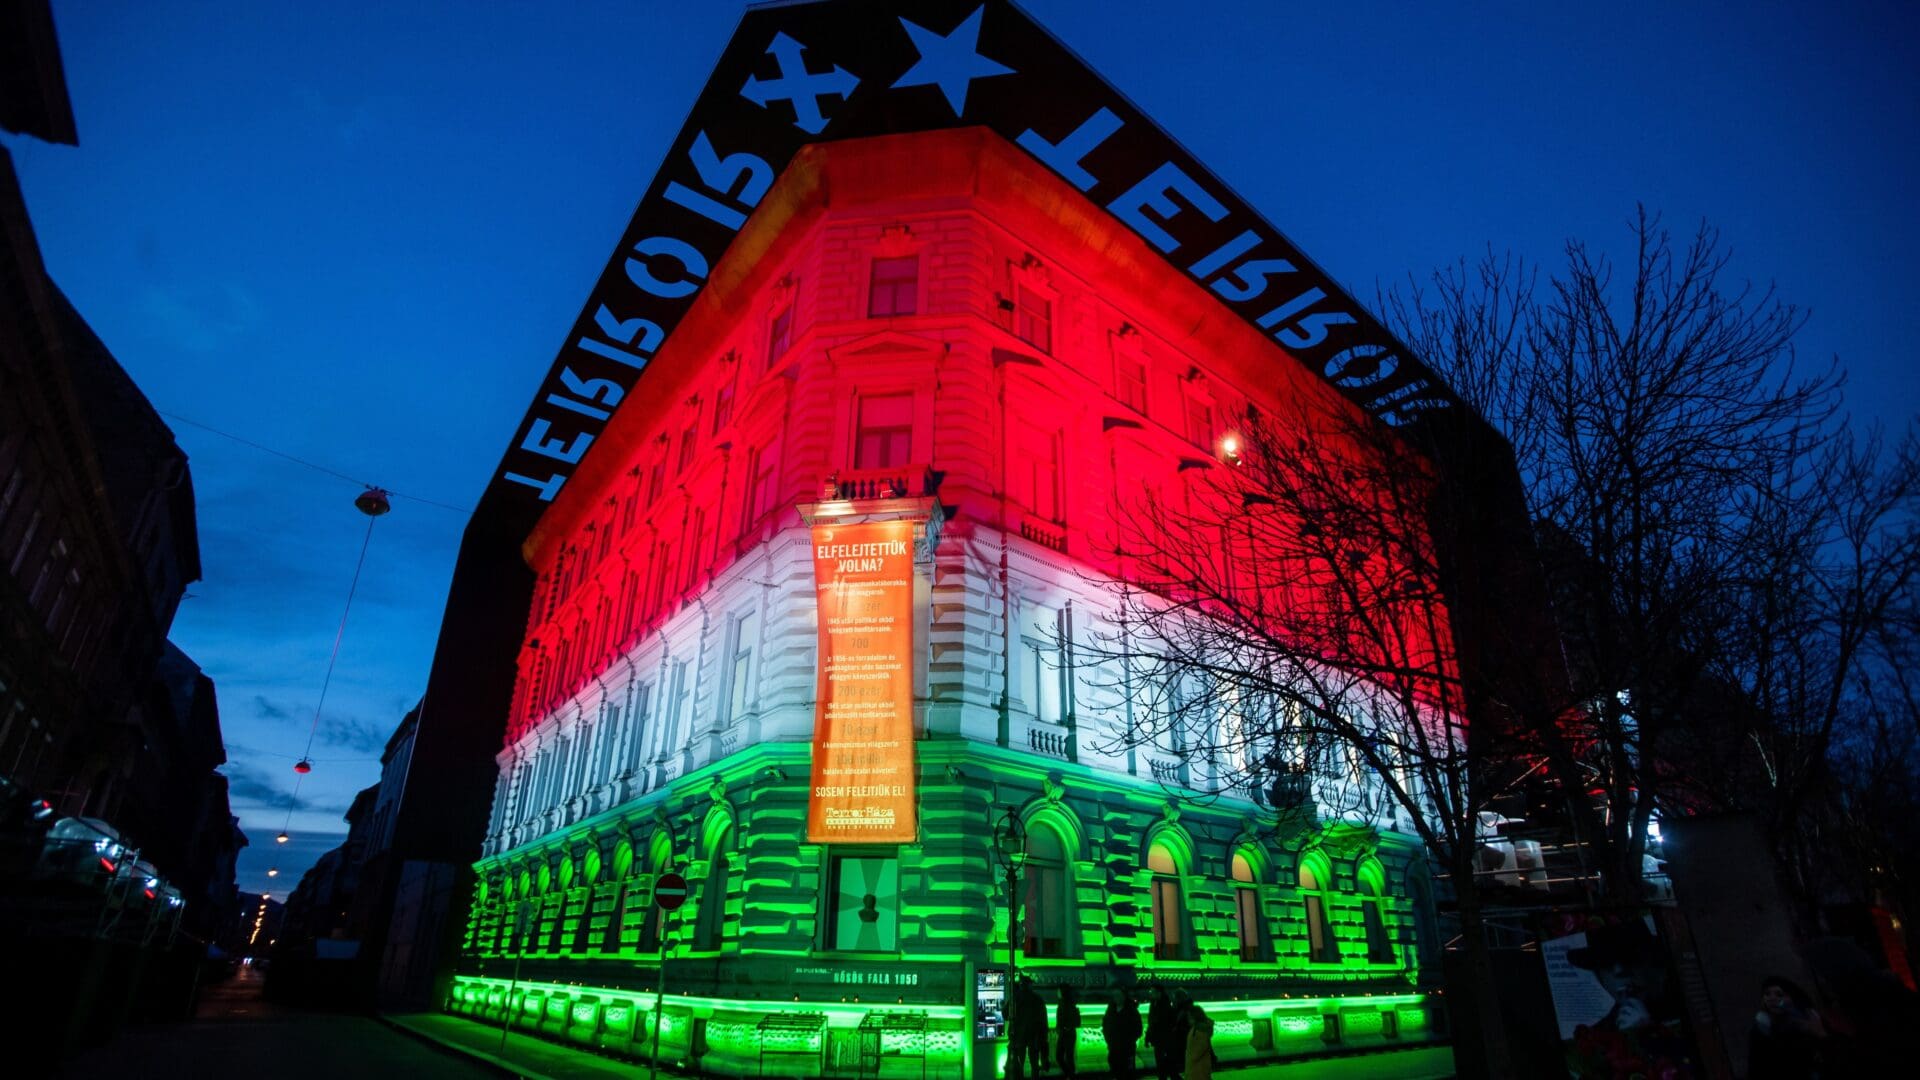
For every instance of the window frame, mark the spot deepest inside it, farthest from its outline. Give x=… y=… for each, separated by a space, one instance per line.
x=1033 y=315
x=896 y=289
x=1043 y=875
x=1167 y=904
x=779 y=334
x=1322 y=946
x=830 y=939
x=1250 y=923
x=896 y=436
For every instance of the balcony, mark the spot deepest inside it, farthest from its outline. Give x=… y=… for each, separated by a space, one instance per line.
x=865 y=485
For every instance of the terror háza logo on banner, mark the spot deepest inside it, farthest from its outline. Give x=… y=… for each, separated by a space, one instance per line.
x=862 y=790
x=795 y=74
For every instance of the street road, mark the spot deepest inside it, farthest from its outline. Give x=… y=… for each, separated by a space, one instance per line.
x=237 y=1034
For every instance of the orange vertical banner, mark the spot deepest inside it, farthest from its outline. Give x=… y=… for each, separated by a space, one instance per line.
x=863 y=778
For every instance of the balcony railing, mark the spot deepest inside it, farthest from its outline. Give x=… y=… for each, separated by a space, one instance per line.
x=902 y=482
x=1044 y=533
x=1165 y=772
x=1054 y=744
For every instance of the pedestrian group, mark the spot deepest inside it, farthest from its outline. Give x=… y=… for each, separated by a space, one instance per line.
x=1177 y=1031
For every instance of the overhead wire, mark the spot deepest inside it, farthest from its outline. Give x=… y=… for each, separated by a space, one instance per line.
x=332 y=659
x=337 y=474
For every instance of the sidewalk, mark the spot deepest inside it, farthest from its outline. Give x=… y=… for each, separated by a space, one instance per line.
x=536 y=1058
x=526 y=1056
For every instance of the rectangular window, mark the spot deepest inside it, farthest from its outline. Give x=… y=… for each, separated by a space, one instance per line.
x=1033 y=319
x=1044 y=672
x=762 y=465
x=739 y=685
x=1130 y=380
x=1036 y=474
x=1200 y=422
x=695 y=541
x=865 y=904
x=1379 y=946
x=1321 y=947
x=722 y=408
x=883 y=434
x=780 y=334
x=657 y=478
x=1166 y=918
x=689 y=444
x=1044 y=922
x=638 y=717
x=662 y=577
x=679 y=706
x=895 y=287
x=1246 y=910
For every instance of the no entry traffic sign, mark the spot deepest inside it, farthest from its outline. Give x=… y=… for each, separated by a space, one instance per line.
x=670 y=891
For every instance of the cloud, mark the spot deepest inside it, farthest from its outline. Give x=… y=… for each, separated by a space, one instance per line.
x=352 y=734
x=267 y=710
x=201 y=319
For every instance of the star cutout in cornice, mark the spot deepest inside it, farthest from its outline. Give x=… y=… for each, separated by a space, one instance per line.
x=950 y=62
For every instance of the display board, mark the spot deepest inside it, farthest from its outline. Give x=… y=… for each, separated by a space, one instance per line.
x=862 y=790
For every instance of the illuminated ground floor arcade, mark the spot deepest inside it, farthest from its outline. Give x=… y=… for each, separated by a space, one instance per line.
x=1299 y=937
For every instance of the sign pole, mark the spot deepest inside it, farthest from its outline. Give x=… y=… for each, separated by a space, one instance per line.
x=668 y=894
x=519 y=948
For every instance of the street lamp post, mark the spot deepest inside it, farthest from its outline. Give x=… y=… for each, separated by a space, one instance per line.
x=1010 y=843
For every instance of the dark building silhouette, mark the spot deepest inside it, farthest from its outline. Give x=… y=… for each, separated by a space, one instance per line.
x=108 y=734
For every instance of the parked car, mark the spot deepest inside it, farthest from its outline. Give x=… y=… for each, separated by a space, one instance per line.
x=82 y=851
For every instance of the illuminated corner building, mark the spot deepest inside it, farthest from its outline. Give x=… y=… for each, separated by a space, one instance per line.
x=916 y=305
x=951 y=336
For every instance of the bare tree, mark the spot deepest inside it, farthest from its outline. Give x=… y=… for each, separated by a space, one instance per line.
x=1654 y=411
x=1283 y=618
x=1340 y=601
x=1818 y=647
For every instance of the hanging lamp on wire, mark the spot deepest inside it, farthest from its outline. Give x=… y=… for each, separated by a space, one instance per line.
x=373 y=502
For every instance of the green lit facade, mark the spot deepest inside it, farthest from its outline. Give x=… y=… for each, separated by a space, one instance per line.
x=592 y=951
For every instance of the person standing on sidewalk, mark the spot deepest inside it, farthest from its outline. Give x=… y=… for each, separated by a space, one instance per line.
x=1034 y=1007
x=1160 y=1036
x=1066 y=1026
x=1120 y=1027
x=1019 y=1018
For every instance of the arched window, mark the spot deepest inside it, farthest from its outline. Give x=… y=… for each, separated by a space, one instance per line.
x=1169 y=915
x=711 y=928
x=659 y=861
x=624 y=894
x=1426 y=926
x=1048 y=894
x=1252 y=925
x=564 y=907
x=1315 y=877
x=583 y=922
x=1373 y=912
x=525 y=912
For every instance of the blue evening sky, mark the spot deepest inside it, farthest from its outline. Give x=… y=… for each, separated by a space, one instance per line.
x=358 y=233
